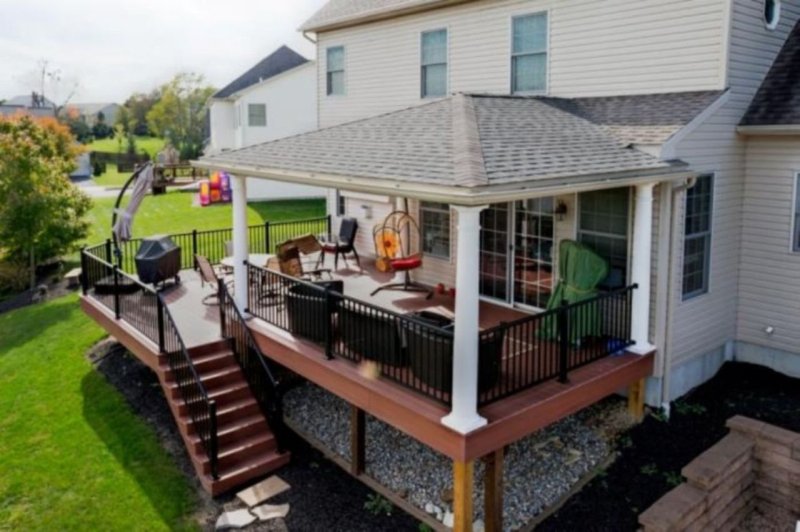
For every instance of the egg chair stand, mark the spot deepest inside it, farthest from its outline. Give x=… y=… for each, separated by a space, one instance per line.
x=393 y=248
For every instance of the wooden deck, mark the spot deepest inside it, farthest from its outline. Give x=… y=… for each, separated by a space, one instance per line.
x=417 y=415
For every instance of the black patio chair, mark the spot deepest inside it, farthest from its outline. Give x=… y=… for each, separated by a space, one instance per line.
x=344 y=244
x=310 y=309
x=370 y=335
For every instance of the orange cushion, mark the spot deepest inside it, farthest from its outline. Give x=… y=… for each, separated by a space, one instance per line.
x=407 y=263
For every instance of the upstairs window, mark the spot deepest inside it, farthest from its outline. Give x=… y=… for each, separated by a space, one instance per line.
x=796 y=220
x=697 y=237
x=256 y=114
x=772 y=13
x=435 y=218
x=434 y=63
x=529 y=53
x=335 y=70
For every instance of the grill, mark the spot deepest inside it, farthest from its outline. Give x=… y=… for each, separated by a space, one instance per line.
x=158 y=259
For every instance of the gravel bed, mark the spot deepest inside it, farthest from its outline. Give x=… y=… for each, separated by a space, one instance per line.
x=538 y=470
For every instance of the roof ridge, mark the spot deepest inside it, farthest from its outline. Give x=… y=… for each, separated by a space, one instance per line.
x=468 y=161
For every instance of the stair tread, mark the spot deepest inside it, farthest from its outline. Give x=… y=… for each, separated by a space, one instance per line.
x=237 y=424
x=232 y=387
x=242 y=445
x=213 y=356
x=236 y=405
x=261 y=459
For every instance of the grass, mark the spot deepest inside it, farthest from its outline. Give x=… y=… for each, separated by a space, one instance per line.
x=152 y=145
x=73 y=456
x=174 y=213
x=112 y=178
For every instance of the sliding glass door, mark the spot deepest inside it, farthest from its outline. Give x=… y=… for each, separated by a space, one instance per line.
x=517 y=246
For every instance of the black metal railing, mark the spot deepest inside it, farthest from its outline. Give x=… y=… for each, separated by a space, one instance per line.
x=143 y=308
x=549 y=345
x=263 y=383
x=216 y=244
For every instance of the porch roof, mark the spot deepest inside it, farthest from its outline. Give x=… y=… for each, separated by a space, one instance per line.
x=470 y=149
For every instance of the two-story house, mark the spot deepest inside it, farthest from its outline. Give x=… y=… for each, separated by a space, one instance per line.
x=275 y=98
x=505 y=128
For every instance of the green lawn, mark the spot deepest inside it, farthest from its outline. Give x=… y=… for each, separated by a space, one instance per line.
x=174 y=213
x=73 y=456
x=152 y=145
x=111 y=178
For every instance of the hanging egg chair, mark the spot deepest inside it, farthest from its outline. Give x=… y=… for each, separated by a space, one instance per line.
x=397 y=240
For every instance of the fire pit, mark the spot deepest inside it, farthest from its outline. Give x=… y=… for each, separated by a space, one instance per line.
x=158 y=259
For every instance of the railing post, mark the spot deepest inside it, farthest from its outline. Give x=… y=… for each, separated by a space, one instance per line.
x=194 y=247
x=116 y=292
x=328 y=326
x=212 y=439
x=563 y=342
x=84 y=279
x=161 y=334
x=222 y=302
x=108 y=250
x=266 y=237
x=328 y=226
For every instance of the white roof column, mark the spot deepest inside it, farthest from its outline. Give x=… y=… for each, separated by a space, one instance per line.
x=464 y=416
x=641 y=268
x=240 y=244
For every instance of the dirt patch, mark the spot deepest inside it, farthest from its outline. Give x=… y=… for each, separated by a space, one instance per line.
x=322 y=495
x=652 y=454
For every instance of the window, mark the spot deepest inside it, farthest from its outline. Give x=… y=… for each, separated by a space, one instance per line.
x=335 y=70
x=529 y=53
x=341 y=204
x=435 y=218
x=603 y=226
x=796 y=228
x=256 y=114
x=772 y=13
x=697 y=237
x=434 y=63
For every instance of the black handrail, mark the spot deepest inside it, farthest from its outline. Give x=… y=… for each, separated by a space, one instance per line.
x=263 y=384
x=145 y=309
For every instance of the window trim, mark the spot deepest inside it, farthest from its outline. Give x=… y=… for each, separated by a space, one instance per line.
x=511 y=53
x=340 y=204
x=449 y=211
x=422 y=66
x=709 y=242
x=328 y=92
x=249 y=117
x=771 y=25
x=794 y=241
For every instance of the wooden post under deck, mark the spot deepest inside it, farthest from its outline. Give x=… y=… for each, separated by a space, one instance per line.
x=357 y=440
x=493 y=491
x=462 y=495
x=636 y=399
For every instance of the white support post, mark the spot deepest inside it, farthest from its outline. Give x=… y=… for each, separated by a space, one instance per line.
x=641 y=268
x=240 y=244
x=463 y=416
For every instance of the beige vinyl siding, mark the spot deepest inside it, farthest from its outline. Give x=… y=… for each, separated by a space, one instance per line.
x=596 y=47
x=705 y=323
x=769 y=289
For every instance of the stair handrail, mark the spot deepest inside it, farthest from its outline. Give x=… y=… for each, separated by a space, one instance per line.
x=273 y=410
x=209 y=440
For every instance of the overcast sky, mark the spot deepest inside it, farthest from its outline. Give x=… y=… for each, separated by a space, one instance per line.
x=113 y=48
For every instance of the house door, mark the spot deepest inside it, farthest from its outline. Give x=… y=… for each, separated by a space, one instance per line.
x=517 y=242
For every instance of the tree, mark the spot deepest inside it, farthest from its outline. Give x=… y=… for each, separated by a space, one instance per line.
x=71 y=117
x=42 y=215
x=100 y=129
x=138 y=105
x=179 y=115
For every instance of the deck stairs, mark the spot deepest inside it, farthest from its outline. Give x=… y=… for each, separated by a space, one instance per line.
x=248 y=448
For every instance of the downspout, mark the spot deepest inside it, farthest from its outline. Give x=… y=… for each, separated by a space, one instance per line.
x=665 y=360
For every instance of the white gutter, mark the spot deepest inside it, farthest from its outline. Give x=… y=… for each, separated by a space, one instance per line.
x=468 y=196
x=788 y=129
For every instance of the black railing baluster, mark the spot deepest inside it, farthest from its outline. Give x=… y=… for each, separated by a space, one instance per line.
x=562 y=318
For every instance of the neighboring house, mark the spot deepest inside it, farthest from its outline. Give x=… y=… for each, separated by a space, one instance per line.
x=91 y=111
x=29 y=104
x=649 y=131
x=275 y=98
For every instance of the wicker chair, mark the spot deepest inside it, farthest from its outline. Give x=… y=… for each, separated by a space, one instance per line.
x=371 y=336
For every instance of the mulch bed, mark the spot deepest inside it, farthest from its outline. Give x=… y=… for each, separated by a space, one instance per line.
x=322 y=495
x=652 y=454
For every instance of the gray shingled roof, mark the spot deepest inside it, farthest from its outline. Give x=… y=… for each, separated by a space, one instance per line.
x=777 y=102
x=337 y=12
x=279 y=61
x=460 y=141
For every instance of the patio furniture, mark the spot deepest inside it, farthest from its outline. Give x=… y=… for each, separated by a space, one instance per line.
x=393 y=243
x=290 y=263
x=370 y=335
x=430 y=354
x=343 y=244
x=208 y=275
x=310 y=308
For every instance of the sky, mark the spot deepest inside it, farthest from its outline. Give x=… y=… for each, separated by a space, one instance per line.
x=110 y=49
